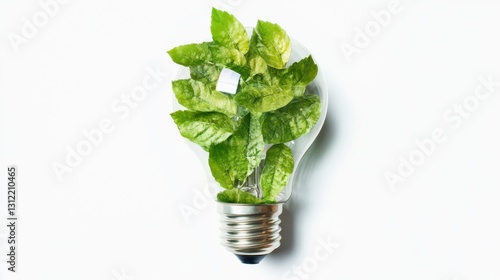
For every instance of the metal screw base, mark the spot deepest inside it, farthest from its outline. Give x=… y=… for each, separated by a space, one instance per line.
x=250 y=231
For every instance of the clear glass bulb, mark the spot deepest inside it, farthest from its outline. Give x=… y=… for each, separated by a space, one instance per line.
x=252 y=231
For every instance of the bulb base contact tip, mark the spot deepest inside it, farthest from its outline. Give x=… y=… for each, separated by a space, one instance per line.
x=250 y=231
x=249 y=259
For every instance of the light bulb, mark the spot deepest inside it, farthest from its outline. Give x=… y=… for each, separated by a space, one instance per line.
x=252 y=231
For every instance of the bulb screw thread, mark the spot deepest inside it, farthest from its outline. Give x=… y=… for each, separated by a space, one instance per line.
x=250 y=229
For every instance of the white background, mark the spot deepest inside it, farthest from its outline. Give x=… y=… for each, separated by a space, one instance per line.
x=116 y=215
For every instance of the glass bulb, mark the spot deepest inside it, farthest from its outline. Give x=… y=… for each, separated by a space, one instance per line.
x=252 y=231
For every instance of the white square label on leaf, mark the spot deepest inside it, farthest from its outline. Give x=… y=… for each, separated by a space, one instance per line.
x=228 y=81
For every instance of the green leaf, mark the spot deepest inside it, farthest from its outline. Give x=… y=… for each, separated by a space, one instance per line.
x=221 y=165
x=206 y=73
x=237 y=196
x=242 y=111
x=231 y=161
x=203 y=128
x=190 y=54
x=255 y=63
x=228 y=57
x=292 y=121
x=197 y=96
x=302 y=72
x=299 y=75
x=255 y=146
x=278 y=167
x=272 y=43
x=260 y=97
x=228 y=31
x=207 y=53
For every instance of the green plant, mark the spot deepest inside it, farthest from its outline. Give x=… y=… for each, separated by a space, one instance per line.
x=269 y=109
